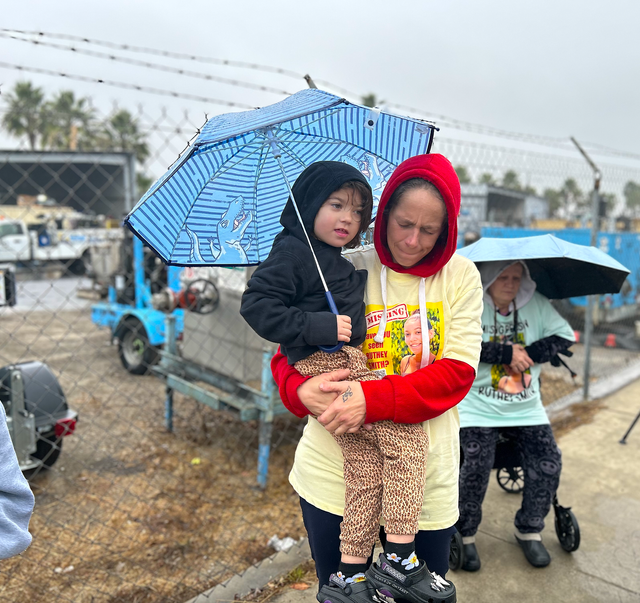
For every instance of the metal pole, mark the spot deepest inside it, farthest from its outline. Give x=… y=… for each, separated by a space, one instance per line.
x=170 y=338
x=588 y=319
x=266 y=419
x=624 y=437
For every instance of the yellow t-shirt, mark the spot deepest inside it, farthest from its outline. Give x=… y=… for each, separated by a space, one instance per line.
x=454 y=307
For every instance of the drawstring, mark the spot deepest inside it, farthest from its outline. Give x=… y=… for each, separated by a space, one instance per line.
x=514 y=335
x=379 y=338
x=424 y=327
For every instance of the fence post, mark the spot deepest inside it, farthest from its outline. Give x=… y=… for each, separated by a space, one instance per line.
x=595 y=219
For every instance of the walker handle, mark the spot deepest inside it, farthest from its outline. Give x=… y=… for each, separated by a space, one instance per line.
x=334 y=309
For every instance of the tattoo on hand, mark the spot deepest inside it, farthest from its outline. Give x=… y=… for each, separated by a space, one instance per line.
x=347 y=394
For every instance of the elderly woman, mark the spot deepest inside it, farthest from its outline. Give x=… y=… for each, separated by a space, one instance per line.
x=520 y=331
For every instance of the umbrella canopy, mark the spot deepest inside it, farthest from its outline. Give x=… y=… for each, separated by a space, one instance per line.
x=559 y=268
x=220 y=203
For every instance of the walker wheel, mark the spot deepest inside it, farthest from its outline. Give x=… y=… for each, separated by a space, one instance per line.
x=456 y=552
x=511 y=479
x=567 y=529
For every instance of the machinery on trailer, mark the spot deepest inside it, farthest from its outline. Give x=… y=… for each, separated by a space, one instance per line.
x=38 y=416
x=135 y=324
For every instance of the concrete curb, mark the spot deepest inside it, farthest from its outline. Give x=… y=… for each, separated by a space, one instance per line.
x=280 y=564
x=256 y=576
x=601 y=388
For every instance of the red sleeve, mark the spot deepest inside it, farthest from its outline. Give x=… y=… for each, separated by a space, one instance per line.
x=419 y=396
x=288 y=379
x=414 y=398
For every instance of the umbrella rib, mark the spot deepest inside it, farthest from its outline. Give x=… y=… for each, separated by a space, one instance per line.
x=205 y=184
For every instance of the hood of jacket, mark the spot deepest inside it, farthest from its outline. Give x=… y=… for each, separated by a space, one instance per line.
x=438 y=170
x=311 y=190
x=490 y=271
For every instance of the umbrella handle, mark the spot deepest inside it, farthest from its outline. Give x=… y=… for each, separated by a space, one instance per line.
x=334 y=309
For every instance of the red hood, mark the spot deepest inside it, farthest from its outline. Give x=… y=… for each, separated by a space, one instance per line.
x=438 y=170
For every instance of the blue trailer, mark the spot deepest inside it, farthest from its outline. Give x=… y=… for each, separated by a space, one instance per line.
x=138 y=327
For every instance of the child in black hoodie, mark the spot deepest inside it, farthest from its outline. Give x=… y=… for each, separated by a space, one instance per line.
x=285 y=303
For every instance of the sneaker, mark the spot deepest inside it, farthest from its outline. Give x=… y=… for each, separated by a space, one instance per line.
x=418 y=586
x=339 y=591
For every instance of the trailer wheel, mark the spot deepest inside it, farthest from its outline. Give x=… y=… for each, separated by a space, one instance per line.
x=83 y=266
x=136 y=353
x=48 y=448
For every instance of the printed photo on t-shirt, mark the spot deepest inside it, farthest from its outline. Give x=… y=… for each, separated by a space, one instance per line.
x=505 y=380
x=400 y=353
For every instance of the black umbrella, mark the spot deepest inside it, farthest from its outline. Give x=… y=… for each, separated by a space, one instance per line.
x=559 y=268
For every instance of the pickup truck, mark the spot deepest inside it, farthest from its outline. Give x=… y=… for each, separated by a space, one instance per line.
x=45 y=242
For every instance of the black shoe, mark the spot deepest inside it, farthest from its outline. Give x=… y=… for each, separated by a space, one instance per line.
x=338 y=591
x=471 y=558
x=535 y=552
x=418 y=586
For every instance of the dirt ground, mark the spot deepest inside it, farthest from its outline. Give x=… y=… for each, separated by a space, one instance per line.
x=131 y=513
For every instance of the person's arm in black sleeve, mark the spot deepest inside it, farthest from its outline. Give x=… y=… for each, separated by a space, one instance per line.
x=267 y=305
x=546 y=348
x=493 y=352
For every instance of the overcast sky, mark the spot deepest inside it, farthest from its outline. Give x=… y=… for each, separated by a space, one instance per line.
x=550 y=67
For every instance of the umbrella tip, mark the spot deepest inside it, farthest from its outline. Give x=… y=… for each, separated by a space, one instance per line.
x=309 y=81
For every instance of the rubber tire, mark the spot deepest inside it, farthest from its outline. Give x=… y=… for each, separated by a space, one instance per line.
x=82 y=266
x=456 y=552
x=507 y=482
x=569 y=540
x=134 y=335
x=48 y=448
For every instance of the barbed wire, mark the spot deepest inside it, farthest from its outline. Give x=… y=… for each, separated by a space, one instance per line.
x=147 y=65
x=555 y=142
x=164 y=53
x=126 y=86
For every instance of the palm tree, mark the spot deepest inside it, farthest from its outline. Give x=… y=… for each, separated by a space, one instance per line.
x=463 y=174
x=69 y=121
x=25 y=114
x=572 y=196
x=632 y=196
x=487 y=178
x=511 y=180
x=121 y=133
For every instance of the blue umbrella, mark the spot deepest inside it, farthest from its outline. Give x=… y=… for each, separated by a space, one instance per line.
x=559 y=268
x=220 y=204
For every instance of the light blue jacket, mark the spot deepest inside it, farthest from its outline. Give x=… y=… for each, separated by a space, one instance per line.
x=16 y=498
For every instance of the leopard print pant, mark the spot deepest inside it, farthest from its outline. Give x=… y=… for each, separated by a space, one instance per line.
x=384 y=469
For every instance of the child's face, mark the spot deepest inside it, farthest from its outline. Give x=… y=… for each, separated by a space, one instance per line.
x=338 y=220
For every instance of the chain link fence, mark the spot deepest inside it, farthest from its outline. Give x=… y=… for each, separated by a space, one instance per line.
x=128 y=510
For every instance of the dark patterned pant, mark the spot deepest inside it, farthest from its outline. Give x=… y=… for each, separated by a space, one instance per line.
x=541 y=464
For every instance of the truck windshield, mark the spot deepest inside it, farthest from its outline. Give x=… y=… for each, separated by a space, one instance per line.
x=10 y=228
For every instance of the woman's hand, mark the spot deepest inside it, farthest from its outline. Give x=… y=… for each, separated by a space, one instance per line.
x=312 y=394
x=520 y=360
x=347 y=412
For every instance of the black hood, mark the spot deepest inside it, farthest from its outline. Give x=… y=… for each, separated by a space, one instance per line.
x=311 y=190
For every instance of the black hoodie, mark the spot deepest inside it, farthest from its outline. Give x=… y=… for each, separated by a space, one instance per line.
x=285 y=301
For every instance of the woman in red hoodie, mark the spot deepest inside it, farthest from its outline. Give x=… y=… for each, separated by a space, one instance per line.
x=411 y=267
